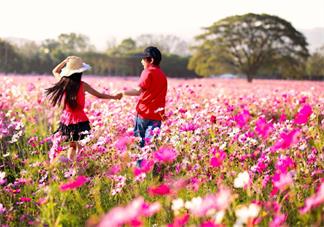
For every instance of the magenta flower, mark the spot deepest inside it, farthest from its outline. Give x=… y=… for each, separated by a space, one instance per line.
x=81 y=180
x=242 y=118
x=165 y=155
x=263 y=128
x=218 y=159
x=162 y=189
x=209 y=224
x=284 y=163
x=25 y=199
x=146 y=166
x=180 y=221
x=303 y=115
x=286 y=140
x=282 y=118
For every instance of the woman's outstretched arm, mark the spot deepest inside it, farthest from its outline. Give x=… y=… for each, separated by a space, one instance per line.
x=97 y=94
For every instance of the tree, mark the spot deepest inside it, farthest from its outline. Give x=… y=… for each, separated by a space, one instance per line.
x=315 y=64
x=248 y=43
x=74 y=43
x=125 y=48
x=10 y=60
x=168 y=44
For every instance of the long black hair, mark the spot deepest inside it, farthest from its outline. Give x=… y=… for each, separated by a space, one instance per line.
x=68 y=85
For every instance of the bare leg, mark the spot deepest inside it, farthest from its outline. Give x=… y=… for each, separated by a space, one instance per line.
x=72 y=151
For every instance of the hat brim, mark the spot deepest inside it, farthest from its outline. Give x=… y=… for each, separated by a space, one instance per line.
x=67 y=72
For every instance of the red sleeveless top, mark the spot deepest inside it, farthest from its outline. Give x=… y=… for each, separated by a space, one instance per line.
x=76 y=115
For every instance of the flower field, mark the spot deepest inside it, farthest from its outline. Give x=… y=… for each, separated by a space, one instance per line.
x=229 y=153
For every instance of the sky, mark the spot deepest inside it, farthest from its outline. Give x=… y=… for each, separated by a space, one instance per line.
x=107 y=20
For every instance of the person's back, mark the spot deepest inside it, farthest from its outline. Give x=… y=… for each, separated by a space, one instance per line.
x=151 y=102
x=75 y=115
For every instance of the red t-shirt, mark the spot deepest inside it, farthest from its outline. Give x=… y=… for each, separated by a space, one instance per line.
x=74 y=116
x=151 y=101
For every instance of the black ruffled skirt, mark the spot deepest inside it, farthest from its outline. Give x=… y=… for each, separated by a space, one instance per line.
x=74 y=132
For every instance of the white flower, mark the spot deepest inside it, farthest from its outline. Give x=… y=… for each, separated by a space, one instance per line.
x=177 y=204
x=194 y=203
x=241 y=180
x=244 y=213
x=223 y=146
x=2 y=175
x=218 y=217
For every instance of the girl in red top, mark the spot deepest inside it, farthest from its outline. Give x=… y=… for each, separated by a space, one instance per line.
x=74 y=123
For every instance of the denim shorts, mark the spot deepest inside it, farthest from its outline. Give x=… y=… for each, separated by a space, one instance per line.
x=143 y=128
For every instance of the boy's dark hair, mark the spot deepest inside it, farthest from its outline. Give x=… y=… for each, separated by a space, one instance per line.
x=68 y=85
x=154 y=53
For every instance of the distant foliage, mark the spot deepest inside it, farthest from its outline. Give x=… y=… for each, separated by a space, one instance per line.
x=118 y=60
x=315 y=64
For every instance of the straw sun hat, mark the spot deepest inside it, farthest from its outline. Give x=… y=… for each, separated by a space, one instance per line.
x=74 y=65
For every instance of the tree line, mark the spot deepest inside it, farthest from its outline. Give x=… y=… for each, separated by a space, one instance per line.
x=250 y=45
x=117 y=60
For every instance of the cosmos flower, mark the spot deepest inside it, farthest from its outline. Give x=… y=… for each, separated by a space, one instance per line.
x=303 y=114
x=73 y=184
x=241 y=180
x=165 y=155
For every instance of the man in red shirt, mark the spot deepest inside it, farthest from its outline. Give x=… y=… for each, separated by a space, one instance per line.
x=152 y=89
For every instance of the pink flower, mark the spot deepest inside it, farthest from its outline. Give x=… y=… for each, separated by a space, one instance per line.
x=286 y=140
x=30 y=87
x=165 y=155
x=209 y=224
x=242 y=118
x=284 y=163
x=41 y=201
x=180 y=221
x=2 y=208
x=122 y=143
x=146 y=166
x=162 y=189
x=303 y=114
x=282 y=181
x=189 y=127
x=263 y=128
x=81 y=180
x=314 y=200
x=25 y=199
x=283 y=118
x=150 y=209
x=218 y=159
x=114 y=170
x=130 y=214
x=278 y=220
x=219 y=201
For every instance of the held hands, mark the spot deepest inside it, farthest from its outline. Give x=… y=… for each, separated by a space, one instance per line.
x=118 y=96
